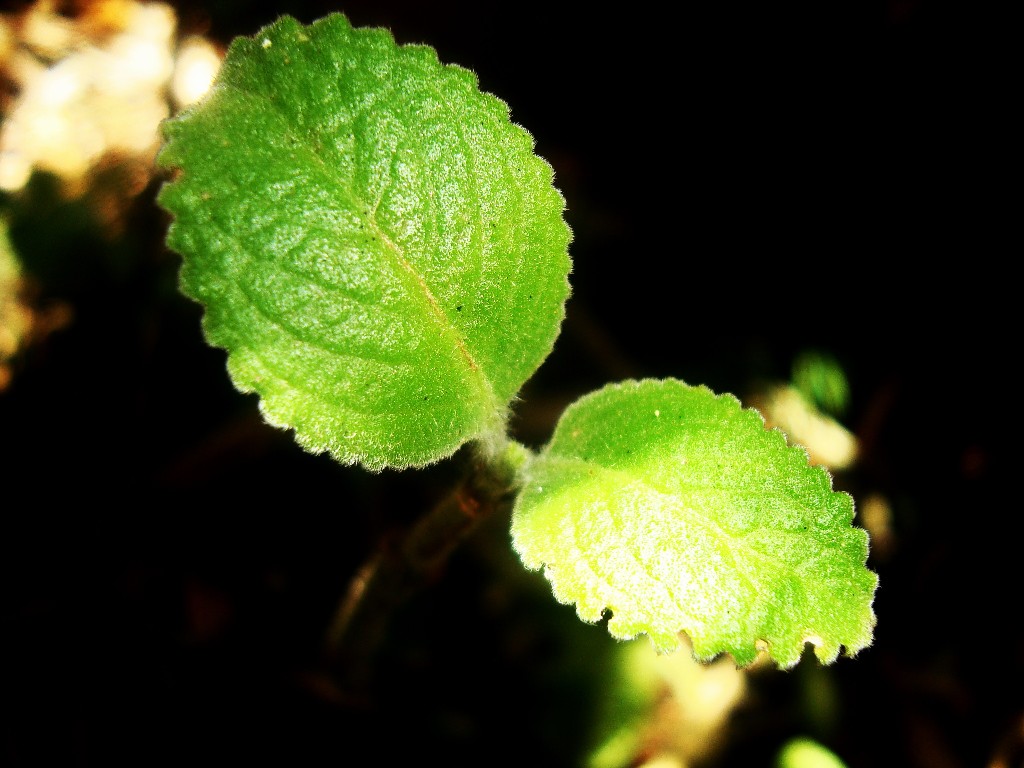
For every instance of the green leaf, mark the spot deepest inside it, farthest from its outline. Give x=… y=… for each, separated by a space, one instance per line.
x=801 y=752
x=676 y=510
x=376 y=244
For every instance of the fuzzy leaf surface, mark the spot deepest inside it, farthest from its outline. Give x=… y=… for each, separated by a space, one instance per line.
x=376 y=244
x=676 y=510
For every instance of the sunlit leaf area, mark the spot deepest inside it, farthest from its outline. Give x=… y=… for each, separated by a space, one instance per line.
x=806 y=210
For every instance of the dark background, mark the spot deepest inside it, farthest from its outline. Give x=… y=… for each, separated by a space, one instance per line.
x=743 y=184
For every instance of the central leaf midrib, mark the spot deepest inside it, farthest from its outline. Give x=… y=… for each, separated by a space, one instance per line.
x=434 y=306
x=440 y=318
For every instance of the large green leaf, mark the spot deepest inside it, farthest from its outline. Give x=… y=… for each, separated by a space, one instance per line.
x=676 y=510
x=375 y=242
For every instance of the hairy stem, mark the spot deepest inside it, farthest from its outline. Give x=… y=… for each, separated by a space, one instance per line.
x=399 y=569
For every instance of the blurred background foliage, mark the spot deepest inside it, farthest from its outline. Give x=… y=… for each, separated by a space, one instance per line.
x=802 y=206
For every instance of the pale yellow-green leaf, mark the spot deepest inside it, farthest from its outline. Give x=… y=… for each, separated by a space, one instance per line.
x=675 y=510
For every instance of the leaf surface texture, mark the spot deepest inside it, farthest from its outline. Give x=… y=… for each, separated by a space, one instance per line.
x=376 y=244
x=675 y=510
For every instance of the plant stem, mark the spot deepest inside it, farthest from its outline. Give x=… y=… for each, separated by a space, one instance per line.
x=399 y=569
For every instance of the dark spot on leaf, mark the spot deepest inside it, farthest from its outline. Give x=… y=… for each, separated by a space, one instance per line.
x=458 y=308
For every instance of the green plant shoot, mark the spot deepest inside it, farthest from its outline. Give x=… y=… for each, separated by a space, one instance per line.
x=385 y=260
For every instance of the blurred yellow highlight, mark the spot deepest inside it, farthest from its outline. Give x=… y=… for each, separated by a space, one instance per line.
x=21 y=322
x=679 y=708
x=92 y=86
x=84 y=95
x=805 y=753
x=827 y=441
x=15 y=317
x=876 y=516
x=197 y=66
